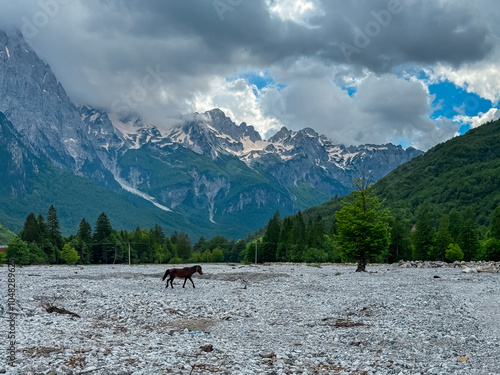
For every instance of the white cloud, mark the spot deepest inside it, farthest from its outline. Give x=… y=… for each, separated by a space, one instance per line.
x=480 y=78
x=298 y=11
x=384 y=109
x=476 y=121
x=238 y=100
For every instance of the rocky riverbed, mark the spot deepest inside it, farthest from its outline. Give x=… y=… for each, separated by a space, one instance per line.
x=266 y=319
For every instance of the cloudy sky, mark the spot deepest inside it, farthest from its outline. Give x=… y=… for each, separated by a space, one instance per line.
x=410 y=72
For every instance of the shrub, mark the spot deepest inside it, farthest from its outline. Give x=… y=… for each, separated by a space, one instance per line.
x=69 y=254
x=313 y=255
x=453 y=253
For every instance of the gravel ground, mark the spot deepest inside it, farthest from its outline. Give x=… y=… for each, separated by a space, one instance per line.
x=268 y=319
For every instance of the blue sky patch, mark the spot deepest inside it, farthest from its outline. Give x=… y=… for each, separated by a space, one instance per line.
x=452 y=100
x=259 y=79
x=351 y=90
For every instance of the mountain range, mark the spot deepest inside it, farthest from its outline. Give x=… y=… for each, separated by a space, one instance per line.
x=461 y=173
x=205 y=176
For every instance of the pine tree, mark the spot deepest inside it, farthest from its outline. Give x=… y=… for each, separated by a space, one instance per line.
x=156 y=235
x=270 y=239
x=284 y=242
x=424 y=236
x=53 y=229
x=31 y=230
x=315 y=233
x=468 y=240
x=101 y=243
x=495 y=223
x=455 y=220
x=183 y=245
x=200 y=246
x=400 y=247
x=363 y=226
x=297 y=241
x=83 y=242
x=443 y=239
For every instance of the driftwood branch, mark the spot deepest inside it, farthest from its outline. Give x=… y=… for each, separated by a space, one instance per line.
x=50 y=307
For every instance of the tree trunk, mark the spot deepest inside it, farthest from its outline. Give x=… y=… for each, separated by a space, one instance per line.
x=361 y=265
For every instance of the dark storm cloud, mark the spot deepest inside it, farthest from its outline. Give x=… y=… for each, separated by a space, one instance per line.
x=382 y=33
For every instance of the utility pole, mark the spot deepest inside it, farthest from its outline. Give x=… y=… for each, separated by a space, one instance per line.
x=129 y=254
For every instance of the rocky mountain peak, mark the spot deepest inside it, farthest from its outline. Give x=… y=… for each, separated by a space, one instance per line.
x=42 y=113
x=281 y=135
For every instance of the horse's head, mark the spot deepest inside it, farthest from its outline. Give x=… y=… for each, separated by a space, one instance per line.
x=198 y=269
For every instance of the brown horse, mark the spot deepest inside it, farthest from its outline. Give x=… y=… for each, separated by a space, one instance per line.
x=185 y=273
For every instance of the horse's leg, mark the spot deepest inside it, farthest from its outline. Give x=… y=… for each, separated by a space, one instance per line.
x=191 y=280
x=172 y=282
x=185 y=279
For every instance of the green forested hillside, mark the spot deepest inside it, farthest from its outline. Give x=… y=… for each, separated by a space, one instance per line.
x=460 y=173
x=5 y=235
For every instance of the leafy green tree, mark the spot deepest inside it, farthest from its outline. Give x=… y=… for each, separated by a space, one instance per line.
x=491 y=249
x=250 y=250
x=37 y=255
x=217 y=255
x=141 y=242
x=5 y=235
x=424 y=236
x=51 y=251
x=18 y=250
x=468 y=240
x=453 y=253
x=162 y=255
x=206 y=256
x=363 y=226
x=69 y=255
x=443 y=239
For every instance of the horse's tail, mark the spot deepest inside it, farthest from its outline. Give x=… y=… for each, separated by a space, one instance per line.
x=166 y=274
